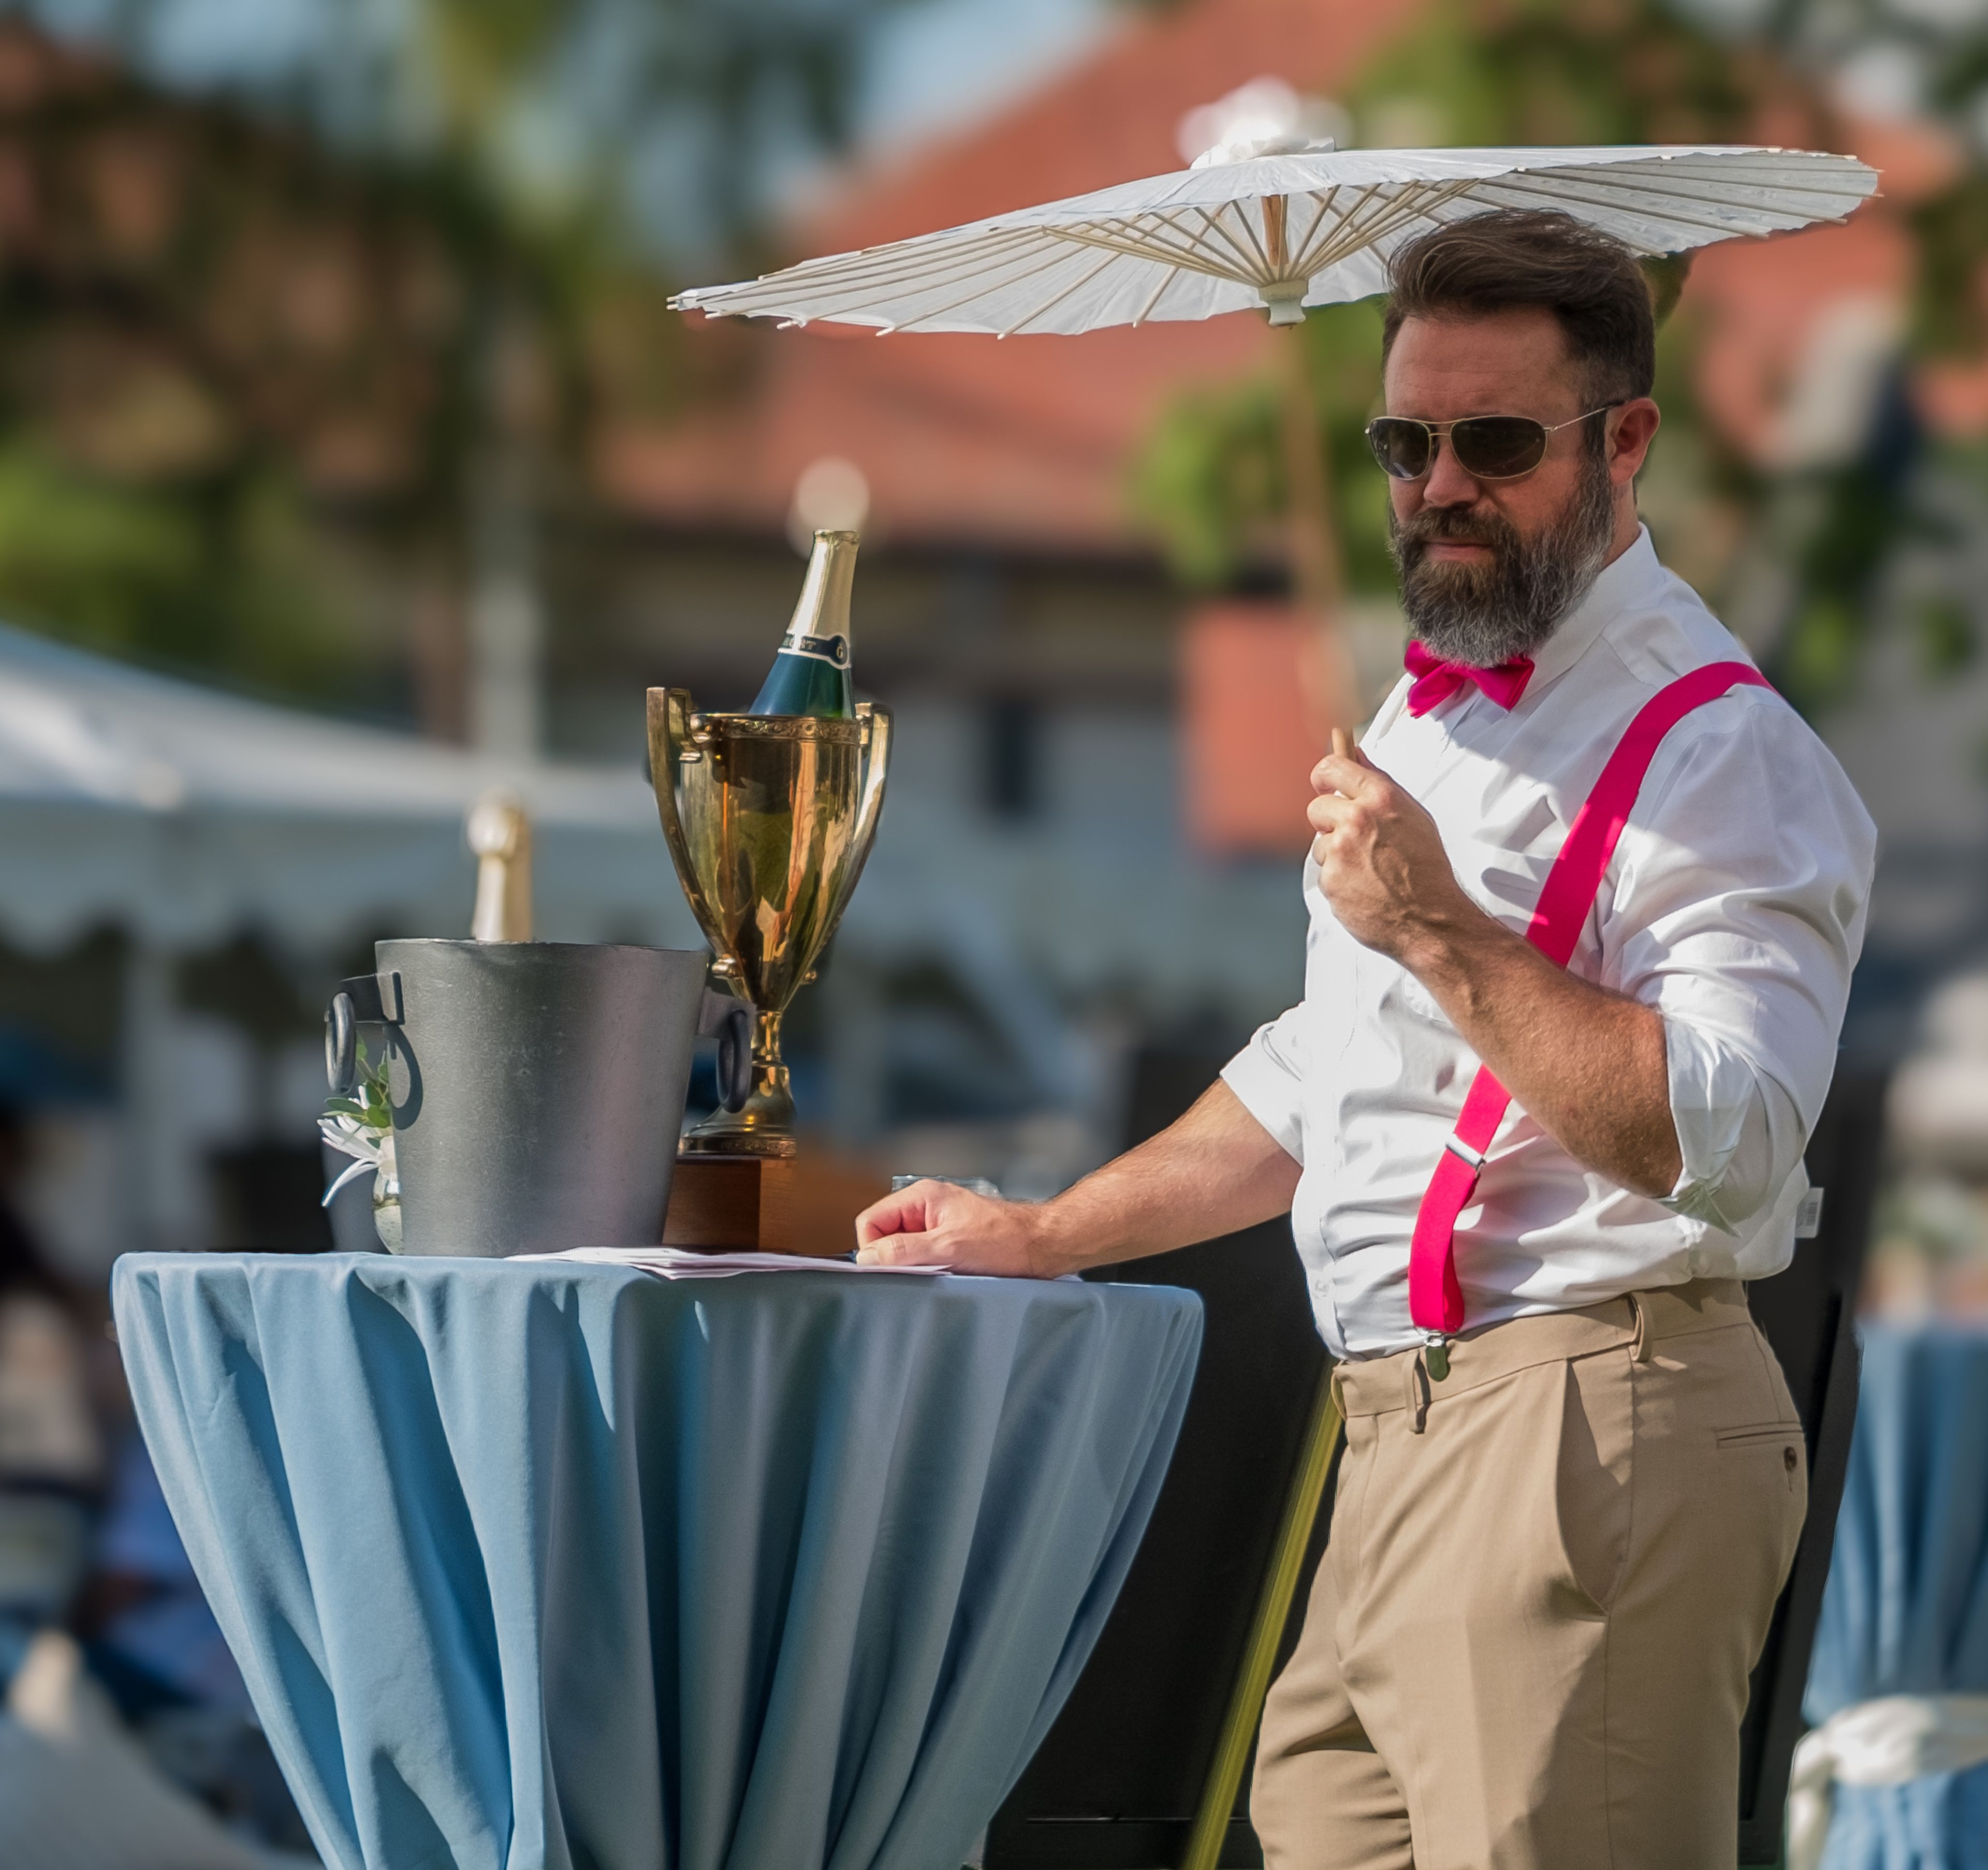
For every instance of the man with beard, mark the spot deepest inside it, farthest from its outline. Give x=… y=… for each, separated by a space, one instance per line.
x=1583 y=912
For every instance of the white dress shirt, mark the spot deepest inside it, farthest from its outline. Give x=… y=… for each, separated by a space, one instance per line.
x=1734 y=904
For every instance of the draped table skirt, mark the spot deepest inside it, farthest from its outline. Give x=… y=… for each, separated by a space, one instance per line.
x=1905 y=1611
x=566 y=1566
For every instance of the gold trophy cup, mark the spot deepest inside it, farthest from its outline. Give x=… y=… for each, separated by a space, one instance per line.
x=769 y=820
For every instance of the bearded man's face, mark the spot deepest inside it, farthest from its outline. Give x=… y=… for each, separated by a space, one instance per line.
x=1484 y=612
x=1489 y=569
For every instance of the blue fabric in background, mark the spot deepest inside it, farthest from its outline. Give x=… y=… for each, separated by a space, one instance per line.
x=566 y=1566
x=1905 y=1611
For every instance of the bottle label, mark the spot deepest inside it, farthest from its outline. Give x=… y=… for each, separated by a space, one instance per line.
x=831 y=649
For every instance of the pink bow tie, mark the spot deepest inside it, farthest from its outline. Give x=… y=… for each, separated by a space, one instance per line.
x=1437 y=680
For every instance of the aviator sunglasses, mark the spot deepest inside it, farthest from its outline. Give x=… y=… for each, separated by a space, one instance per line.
x=1486 y=447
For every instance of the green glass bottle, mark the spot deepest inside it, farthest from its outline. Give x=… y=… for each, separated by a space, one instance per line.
x=810 y=674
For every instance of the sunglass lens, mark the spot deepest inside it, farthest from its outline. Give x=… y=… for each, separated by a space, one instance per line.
x=1499 y=448
x=1401 y=447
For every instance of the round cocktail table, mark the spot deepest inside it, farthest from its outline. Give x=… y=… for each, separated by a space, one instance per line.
x=1905 y=1611
x=563 y=1565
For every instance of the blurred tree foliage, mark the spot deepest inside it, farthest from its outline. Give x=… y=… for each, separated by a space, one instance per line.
x=701 y=101
x=1896 y=63
x=1889 y=535
x=216 y=334
x=1212 y=478
x=257 y=344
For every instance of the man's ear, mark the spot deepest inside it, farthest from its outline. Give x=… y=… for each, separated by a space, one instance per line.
x=1631 y=429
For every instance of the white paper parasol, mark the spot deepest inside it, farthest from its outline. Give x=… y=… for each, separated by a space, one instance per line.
x=1278 y=227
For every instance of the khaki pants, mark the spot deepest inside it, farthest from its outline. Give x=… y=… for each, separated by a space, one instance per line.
x=1549 y=1577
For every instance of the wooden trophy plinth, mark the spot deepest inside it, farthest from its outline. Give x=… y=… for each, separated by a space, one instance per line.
x=802 y=1204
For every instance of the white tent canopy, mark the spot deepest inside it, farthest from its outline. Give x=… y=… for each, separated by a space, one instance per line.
x=186 y=816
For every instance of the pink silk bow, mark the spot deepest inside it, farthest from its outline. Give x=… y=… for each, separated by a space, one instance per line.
x=1437 y=680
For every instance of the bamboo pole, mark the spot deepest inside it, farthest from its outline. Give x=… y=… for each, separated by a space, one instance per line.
x=1273 y=1610
x=1318 y=570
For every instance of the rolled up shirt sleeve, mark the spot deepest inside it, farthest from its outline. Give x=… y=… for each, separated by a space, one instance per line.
x=1742 y=881
x=1268 y=1076
x=1738 y=1133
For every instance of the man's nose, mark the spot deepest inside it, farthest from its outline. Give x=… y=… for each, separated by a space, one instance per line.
x=1448 y=484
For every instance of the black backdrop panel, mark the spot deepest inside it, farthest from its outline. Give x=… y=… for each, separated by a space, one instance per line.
x=1809 y=1315
x=1115 y=1782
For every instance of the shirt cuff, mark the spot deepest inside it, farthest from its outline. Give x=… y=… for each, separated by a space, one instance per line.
x=1720 y=1110
x=1269 y=1092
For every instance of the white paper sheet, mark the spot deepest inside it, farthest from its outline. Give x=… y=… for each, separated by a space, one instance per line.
x=682 y=1262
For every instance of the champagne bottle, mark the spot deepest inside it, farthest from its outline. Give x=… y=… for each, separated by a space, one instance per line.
x=810 y=674
x=500 y=834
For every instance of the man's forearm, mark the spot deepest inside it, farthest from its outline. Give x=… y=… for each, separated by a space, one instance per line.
x=1587 y=1065
x=1215 y=1170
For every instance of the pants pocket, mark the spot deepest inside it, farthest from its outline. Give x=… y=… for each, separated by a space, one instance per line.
x=1594 y=1470
x=1783 y=1438
x=1760 y=1437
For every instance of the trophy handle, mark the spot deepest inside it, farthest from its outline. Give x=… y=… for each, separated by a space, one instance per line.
x=876 y=761
x=670 y=712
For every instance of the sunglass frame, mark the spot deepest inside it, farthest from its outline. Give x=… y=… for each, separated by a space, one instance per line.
x=1436 y=431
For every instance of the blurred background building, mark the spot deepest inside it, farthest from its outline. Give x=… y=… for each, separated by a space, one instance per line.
x=338 y=374
x=350 y=464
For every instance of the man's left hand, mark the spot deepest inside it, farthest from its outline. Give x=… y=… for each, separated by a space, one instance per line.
x=1380 y=861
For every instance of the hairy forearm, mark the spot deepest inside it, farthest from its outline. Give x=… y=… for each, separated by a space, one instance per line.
x=1215 y=1170
x=1587 y=1065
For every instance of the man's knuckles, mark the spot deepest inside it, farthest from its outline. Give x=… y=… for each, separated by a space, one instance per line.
x=1356 y=820
x=903 y=1250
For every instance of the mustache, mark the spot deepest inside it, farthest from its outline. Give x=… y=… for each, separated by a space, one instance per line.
x=1454 y=526
x=1484 y=614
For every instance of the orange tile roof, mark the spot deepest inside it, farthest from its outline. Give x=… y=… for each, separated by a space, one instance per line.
x=1114 y=115
x=963 y=440
x=1758 y=306
x=1026 y=441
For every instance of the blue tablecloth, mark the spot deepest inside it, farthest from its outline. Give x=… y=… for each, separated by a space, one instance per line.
x=564 y=1566
x=1905 y=1611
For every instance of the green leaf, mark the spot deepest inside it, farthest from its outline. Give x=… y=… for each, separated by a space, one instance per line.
x=1946 y=638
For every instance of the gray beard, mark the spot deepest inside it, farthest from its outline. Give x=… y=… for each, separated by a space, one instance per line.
x=1484 y=615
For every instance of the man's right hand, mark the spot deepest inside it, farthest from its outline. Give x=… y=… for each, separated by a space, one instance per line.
x=1216 y=1170
x=936 y=1223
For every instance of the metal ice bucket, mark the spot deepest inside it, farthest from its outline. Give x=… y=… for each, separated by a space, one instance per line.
x=537 y=1087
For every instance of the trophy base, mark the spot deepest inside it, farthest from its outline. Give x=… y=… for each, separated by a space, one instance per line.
x=708 y=1139
x=740 y=1204
x=764 y=1124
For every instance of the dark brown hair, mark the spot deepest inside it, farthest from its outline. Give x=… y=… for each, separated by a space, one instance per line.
x=1514 y=257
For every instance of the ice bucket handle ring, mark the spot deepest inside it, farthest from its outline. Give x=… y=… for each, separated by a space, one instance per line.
x=359 y=998
x=729 y=1019
x=341 y=1045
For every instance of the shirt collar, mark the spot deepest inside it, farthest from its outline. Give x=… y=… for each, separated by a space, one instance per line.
x=1635 y=575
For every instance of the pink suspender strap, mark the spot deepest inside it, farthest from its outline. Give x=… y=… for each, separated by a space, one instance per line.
x=1436 y=1301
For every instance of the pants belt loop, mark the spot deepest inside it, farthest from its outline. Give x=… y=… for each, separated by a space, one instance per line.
x=1416 y=1378
x=1338 y=1389
x=1639 y=1351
